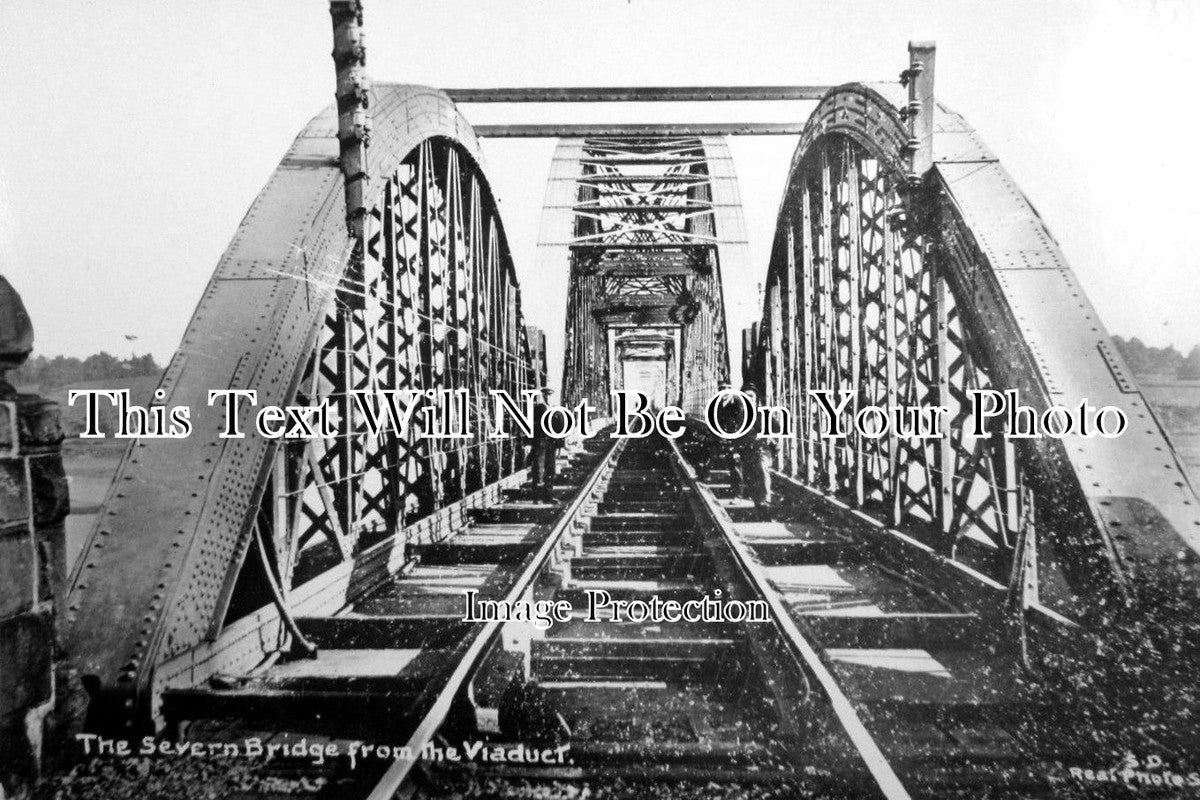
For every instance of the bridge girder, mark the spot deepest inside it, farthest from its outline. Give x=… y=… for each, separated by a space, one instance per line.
x=907 y=269
x=167 y=590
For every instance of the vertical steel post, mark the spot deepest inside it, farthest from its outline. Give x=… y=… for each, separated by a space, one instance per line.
x=891 y=376
x=352 y=94
x=852 y=204
x=422 y=301
x=776 y=366
x=749 y=342
x=479 y=355
x=919 y=79
x=808 y=320
x=919 y=150
x=791 y=339
x=945 y=445
x=828 y=356
x=391 y=317
x=1023 y=591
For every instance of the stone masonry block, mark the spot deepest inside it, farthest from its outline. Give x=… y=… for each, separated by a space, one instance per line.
x=18 y=570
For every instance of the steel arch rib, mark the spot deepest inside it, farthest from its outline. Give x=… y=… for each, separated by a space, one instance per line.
x=1052 y=345
x=1120 y=514
x=176 y=522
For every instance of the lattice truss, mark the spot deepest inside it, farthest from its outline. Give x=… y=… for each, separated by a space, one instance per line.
x=647 y=191
x=645 y=243
x=854 y=304
x=623 y=287
x=433 y=305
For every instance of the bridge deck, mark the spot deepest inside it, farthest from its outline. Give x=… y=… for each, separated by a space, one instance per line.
x=933 y=681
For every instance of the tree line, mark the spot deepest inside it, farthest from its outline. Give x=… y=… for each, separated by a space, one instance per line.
x=1161 y=361
x=58 y=371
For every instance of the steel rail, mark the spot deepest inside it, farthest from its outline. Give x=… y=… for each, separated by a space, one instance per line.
x=877 y=764
x=634 y=94
x=398 y=772
x=1050 y=616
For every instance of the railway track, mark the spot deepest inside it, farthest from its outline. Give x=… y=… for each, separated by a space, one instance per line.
x=387 y=665
x=640 y=706
x=868 y=667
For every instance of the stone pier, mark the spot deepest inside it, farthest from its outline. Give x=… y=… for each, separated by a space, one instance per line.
x=33 y=568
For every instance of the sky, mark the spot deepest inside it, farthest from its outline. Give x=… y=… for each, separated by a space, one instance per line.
x=134 y=135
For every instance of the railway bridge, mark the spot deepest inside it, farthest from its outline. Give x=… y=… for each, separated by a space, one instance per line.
x=947 y=616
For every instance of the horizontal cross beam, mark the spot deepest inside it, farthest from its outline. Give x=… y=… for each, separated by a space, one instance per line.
x=629 y=178
x=640 y=317
x=635 y=94
x=653 y=247
x=558 y=130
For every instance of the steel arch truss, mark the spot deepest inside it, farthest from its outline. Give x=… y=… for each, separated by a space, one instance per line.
x=171 y=587
x=433 y=307
x=910 y=290
x=853 y=309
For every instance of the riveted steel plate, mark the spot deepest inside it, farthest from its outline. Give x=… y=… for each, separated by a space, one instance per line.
x=1116 y=365
x=1071 y=352
x=955 y=140
x=1004 y=224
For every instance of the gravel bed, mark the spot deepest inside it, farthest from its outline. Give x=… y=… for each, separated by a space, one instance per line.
x=618 y=789
x=176 y=779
